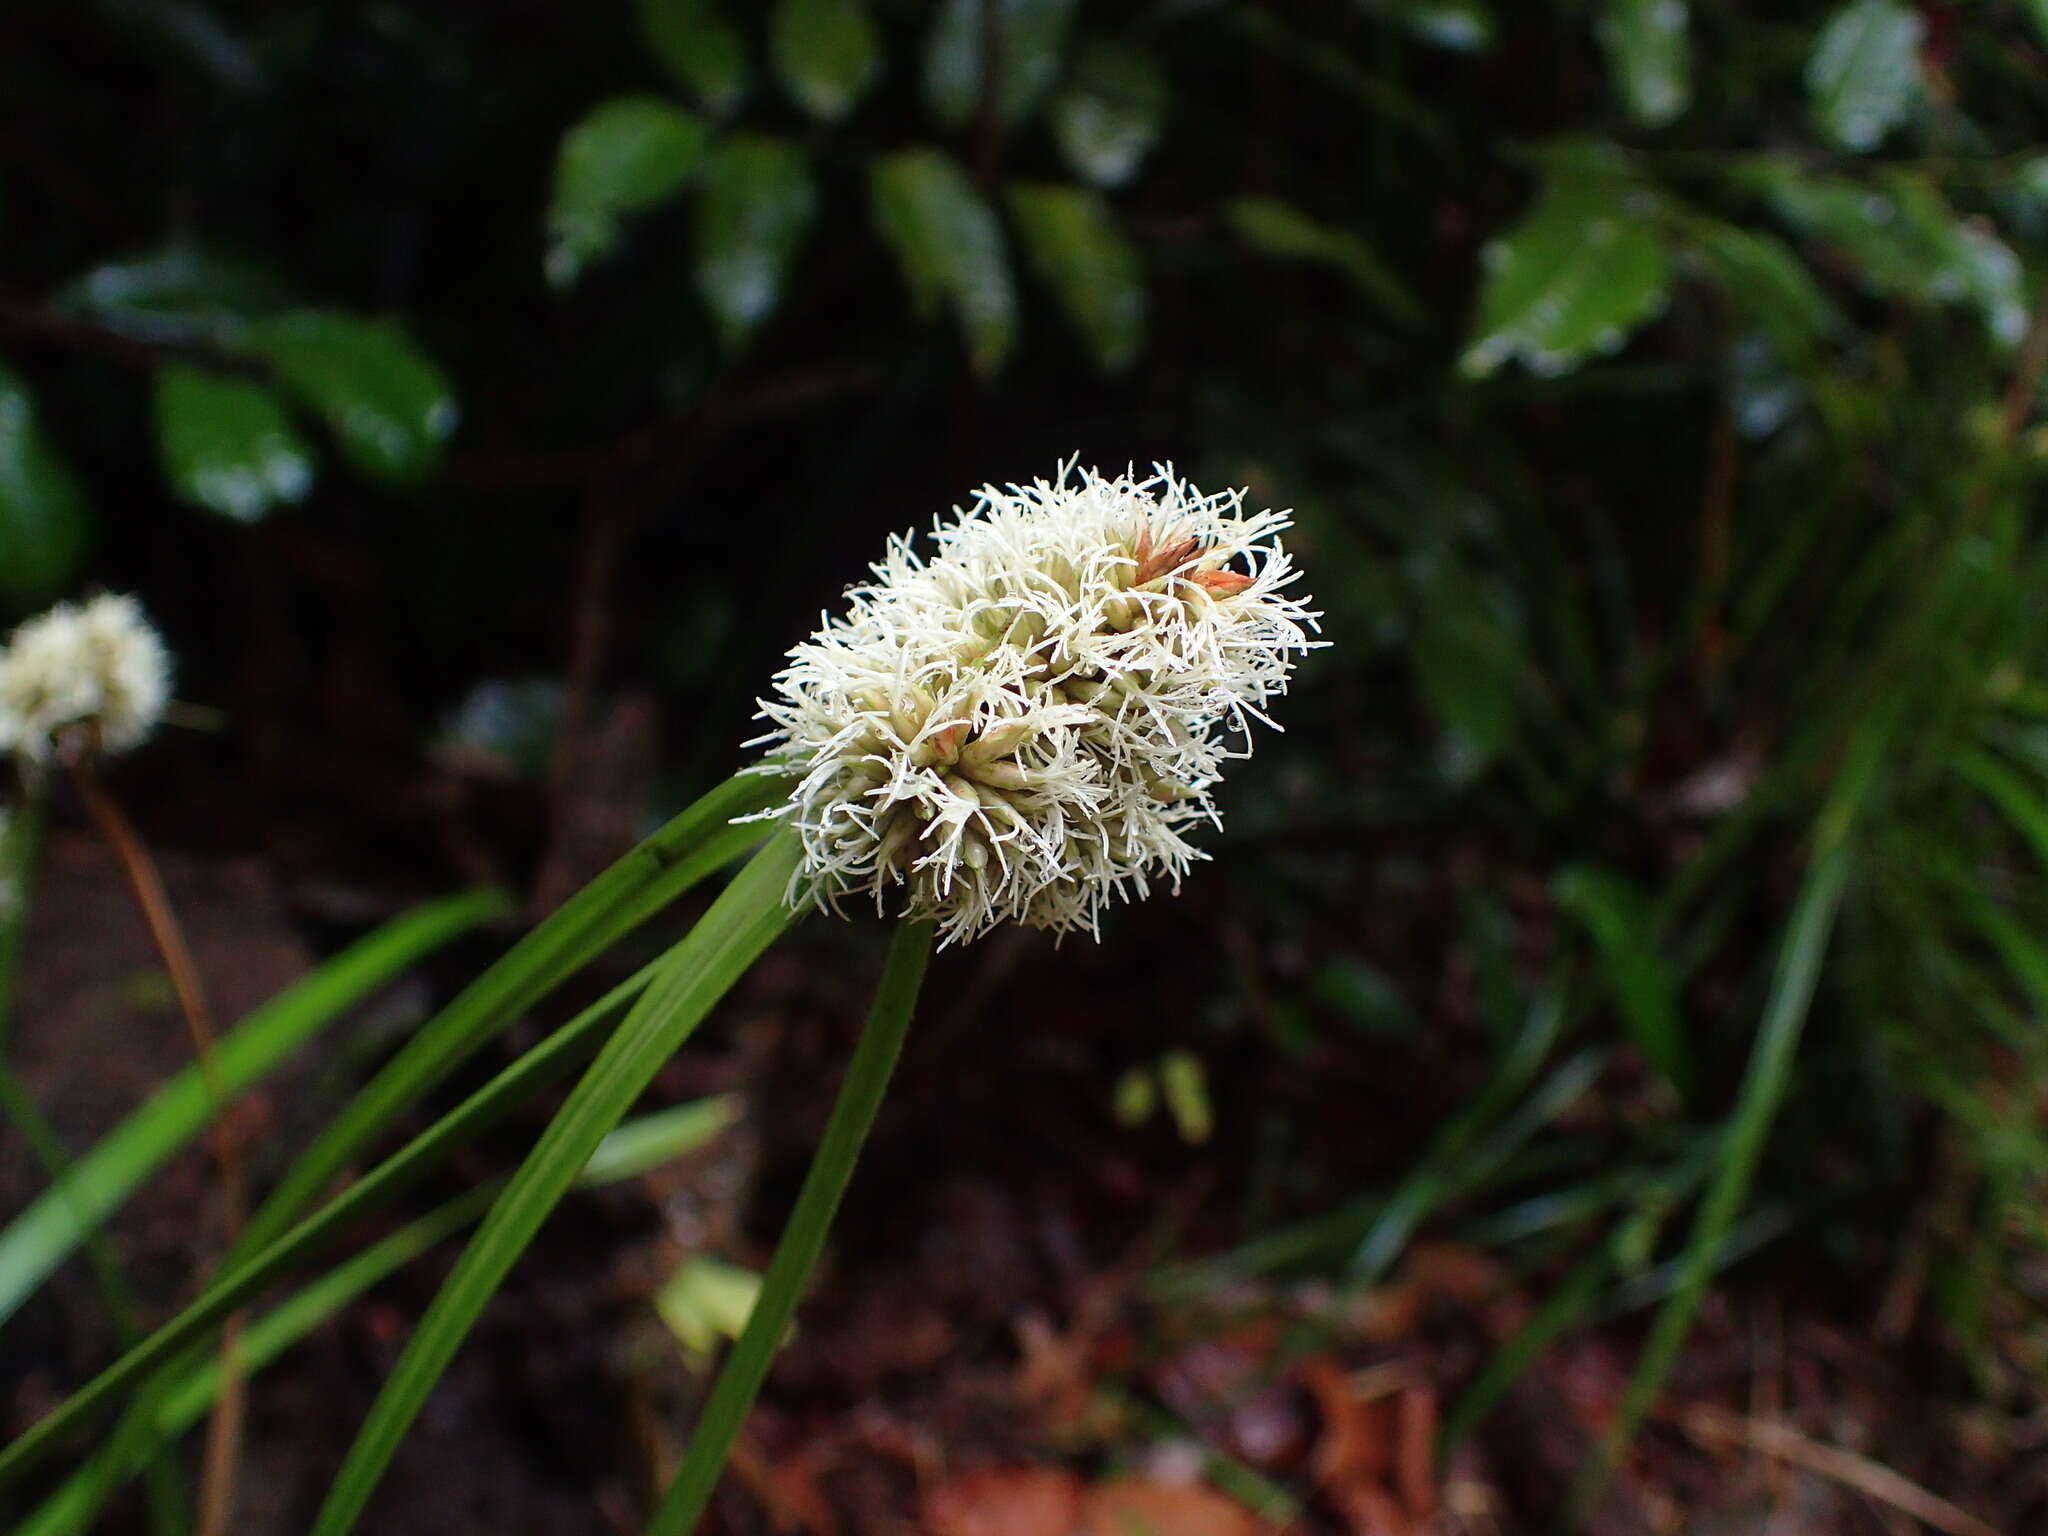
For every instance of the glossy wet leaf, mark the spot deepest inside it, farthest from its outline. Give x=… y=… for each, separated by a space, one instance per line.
x=1762 y=276
x=1572 y=279
x=1460 y=26
x=757 y=206
x=1902 y=238
x=1280 y=229
x=1027 y=54
x=1863 y=76
x=1108 y=115
x=948 y=246
x=45 y=528
x=227 y=444
x=1075 y=248
x=699 y=46
x=827 y=53
x=180 y=293
x=628 y=155
x=385 y=401
x=1650 y=54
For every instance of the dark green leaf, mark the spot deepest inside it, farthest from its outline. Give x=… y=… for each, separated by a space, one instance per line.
x=1108 y=115
x=1462 y=26
x=949 y=246
x=1573 y=278
x=1280 y=229
x=1765 y=279
x=227 y=444
x=630 y=154
x=699 y=47
x=181 y=293
x=1079 y=253
x=44 y=526
x=1466 y=652
x=827 y=54
x=1864 y=73
x=758 y=205
x=1646 y=995
x=1647 y=48
x=1903 y=239
x=387 y=405
x=1026 y=56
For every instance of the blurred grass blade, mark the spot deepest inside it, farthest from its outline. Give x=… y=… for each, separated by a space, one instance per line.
x=1763 y=1088
x=1644 y=991
x=538 y=1068
x=2004 y=788
x=665 y=865
x=635 y=1147
x=860 y=1095
x=1569 y=1303
x=1454 y=1172
x=41 y=1237
x=183 y=1405
x=744 y=920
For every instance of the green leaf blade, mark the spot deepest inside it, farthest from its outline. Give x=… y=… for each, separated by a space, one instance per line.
x=45 y=528
x=227 y=444
x=758 y=205
x=626 y=156
x=1075 y=247
x=1648 y=48
x=388 y=405
x=1579 y=273
x=949 y=246
x=1863 y=76
x=827 y=53
x=699 y=47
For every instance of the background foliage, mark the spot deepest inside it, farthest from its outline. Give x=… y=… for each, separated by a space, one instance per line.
x=1656 y=384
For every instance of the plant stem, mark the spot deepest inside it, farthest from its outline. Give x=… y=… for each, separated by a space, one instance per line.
x=860 y=1095
x=224 y=1427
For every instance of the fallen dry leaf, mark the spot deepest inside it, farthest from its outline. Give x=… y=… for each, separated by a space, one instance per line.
x=1004 y=1501
x=1135 y=1507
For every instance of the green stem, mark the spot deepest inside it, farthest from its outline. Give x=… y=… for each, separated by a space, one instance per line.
x=860 y=1095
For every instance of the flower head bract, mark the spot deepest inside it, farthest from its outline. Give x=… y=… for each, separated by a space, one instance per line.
x=98 y=663
x=1028 y=722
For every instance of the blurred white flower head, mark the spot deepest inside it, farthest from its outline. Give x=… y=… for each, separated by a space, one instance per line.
x=97 y=663
x=1029 y=722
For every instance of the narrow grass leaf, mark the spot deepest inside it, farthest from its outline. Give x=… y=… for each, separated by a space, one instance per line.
x=538 y=1068
x=744 y=920
x=45 y=1234
x=860 y=1095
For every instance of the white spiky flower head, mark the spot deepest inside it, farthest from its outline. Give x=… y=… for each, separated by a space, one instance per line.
x=1028 y=723
x=99 y=663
